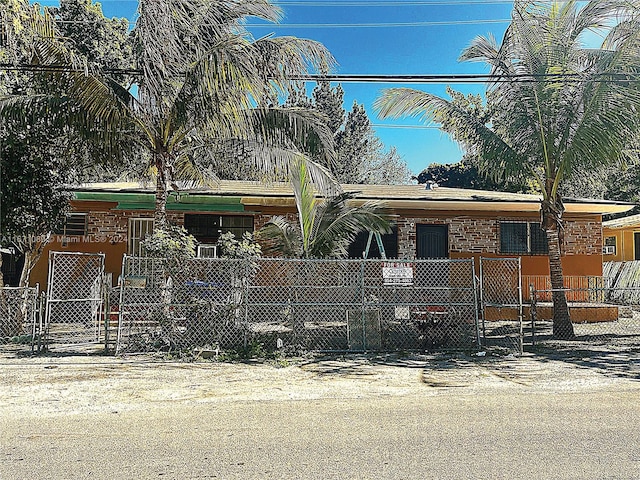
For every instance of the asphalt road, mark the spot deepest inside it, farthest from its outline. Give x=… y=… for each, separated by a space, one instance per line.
x=452 y=435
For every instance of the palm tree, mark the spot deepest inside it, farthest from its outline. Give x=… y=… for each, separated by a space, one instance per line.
x=205 y=90
x=324 y=228
x=556 y=105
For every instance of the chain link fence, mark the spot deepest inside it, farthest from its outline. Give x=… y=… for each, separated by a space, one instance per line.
x=501 y=303
x=604 y=310
x=320 y=305
x=74 y=306
x=19 y=319
x=312 y=305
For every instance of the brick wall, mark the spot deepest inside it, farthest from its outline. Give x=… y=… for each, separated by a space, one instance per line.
x=114 y=224
x=474 y=235
x=583 y=238
x=467 y=234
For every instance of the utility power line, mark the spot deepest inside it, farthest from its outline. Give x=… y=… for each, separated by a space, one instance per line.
x=388 y=3
x=407 y=127
x=341 y=25
x=373 y=78
x=377 y=24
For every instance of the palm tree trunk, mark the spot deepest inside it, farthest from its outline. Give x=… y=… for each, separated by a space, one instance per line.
x=160 y=213
x=562 y=326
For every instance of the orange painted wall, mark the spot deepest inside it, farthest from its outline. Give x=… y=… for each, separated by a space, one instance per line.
x=625 y=250
x=574 y=265
x=113 y=250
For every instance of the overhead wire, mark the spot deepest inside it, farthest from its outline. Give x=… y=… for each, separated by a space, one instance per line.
x=375 y=78
x=342 y=25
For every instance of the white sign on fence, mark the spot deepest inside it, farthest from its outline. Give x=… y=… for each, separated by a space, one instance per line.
x=397 y=274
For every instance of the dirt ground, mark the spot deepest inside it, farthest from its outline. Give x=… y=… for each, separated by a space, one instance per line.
x=81 y=384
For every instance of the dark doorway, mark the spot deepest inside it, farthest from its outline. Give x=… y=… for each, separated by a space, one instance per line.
x=636 y=246
x=389 y=241
x=432 y=241
x=12 y=268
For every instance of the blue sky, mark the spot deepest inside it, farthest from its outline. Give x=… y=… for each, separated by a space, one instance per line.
x=384 y=48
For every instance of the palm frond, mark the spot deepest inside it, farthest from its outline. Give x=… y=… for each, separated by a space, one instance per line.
x=285 y=57
x=498 y=156
x=325 y=226
x=280 y=236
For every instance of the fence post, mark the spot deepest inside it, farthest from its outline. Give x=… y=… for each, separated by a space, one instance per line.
x=121 y=283
x=42 y=326
x=106 y=309
x=34 y=315
x=532 y=313
x=520 y=309
x=363 y=306
x=477 y=298
x=245 y=298
x=480 y=298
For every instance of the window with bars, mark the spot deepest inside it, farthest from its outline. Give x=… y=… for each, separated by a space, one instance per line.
x=139 y=228
x=523 y=238
x=207 y=228
x=74 y=224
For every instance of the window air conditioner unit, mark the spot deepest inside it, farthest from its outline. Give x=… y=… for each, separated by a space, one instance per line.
x=609 y=250
x=207 y=251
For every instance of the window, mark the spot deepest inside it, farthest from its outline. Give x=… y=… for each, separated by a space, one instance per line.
x=389 y=241
x=207 y=251
x=139 y=228
x=74 y=224
x=609 y=247
x=522 y=238
x=207 y=228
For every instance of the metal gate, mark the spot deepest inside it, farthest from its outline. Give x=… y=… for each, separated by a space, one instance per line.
x=74 y=299
x=501 y=302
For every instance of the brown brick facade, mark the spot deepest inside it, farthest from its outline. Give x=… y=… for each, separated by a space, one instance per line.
x=467 y=234
x=474 y=235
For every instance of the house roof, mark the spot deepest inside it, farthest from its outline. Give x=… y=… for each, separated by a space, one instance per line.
x=395 y=196
x=631 y=220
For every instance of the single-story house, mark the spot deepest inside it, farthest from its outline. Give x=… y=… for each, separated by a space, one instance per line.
x=430 y=222
x=621 y=239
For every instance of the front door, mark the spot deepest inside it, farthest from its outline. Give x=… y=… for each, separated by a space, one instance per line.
x=432 y=241
x=636 y=246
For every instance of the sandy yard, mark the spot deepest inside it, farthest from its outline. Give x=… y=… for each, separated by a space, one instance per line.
x=84 y=384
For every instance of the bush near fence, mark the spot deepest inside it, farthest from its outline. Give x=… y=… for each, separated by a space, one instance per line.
x=18 y=308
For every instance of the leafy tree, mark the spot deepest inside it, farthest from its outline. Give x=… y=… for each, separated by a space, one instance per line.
x=172 y=243
x=611 y=182
x=329 y=101
x=465 y=174
x=360 y=155
x=555 y=105
x=103 y=42
x=200 y=78
x=36 y=160
x=32 y=199
x=324 y=228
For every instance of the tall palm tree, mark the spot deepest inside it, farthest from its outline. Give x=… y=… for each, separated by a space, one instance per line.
x=323 y=228
x=557 y=105
x=205 y=89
